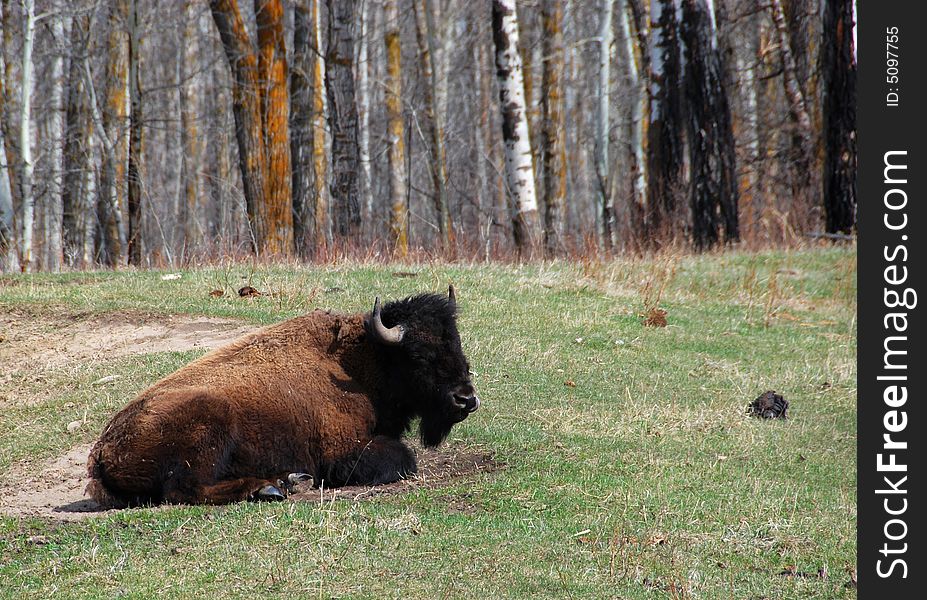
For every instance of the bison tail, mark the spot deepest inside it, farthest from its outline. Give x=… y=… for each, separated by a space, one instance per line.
x=97 y=488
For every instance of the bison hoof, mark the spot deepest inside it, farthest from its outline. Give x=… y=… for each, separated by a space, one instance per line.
x=269 y=492
x=294 y=479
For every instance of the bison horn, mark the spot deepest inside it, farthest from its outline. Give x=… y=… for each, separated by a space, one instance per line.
x=452 y=296
x=386 y=335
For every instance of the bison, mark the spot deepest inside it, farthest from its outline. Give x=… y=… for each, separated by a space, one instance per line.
x=325 y=396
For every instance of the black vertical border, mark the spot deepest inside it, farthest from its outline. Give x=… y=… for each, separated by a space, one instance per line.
x=882 y=128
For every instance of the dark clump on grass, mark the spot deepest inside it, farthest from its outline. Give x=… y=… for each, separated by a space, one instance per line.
x=769 y=405
x=249 y=292
x=655 y=317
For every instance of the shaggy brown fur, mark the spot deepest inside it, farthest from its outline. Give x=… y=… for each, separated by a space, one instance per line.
x=320 y=394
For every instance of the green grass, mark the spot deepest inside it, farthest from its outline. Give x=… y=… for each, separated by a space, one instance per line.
x=645 y=479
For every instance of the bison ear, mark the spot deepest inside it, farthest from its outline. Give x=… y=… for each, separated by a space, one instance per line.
x=391 y=336
x=452 y=296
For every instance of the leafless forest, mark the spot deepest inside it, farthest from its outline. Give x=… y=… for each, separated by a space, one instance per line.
x=137 y=132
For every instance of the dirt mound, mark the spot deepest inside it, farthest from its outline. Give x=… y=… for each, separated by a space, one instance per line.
x=36 y=339
x=56 y=490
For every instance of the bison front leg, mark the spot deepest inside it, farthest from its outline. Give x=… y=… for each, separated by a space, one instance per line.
x=225 y=492
x=381 y=460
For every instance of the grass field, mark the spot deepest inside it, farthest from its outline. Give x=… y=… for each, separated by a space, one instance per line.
x=629 y=466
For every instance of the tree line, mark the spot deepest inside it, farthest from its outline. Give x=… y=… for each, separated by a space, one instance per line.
x=146 y=133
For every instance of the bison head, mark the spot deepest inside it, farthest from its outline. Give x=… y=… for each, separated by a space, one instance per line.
x=427 y=370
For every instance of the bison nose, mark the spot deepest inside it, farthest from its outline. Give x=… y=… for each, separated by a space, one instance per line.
x=467 y=403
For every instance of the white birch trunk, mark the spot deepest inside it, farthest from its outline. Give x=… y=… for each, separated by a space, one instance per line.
x=363 y=113
x=88 y=210
x=519 y=170
x=638 y=105
x=25 y=136
x=54 y=210
x=108 y=153
x=322 y=226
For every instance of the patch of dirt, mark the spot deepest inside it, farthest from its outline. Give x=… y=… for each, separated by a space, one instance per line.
x=56 y=490
x=33 y=339
x=436 y=468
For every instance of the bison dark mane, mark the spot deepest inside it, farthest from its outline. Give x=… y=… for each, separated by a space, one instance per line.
x=430 y=352
x=326 y=395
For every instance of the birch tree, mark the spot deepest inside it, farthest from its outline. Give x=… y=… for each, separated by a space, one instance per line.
x=425 y=35
x=519 y=170
x=362 y=79
x=25 y=138
x=636 y=61
x=321 y=199
x=55 y=136
x=398 y=219
x=552 y=142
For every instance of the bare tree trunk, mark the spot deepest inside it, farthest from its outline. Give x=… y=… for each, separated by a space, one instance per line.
x=713 y=187
x=322 y=228
x=86 y=204
x=838 y=65
x=7 y=234
x=802 y=132
x=190 y=158
x=553 y=149
x=76 y=149
x=342 y=117
x=742 y=84
x=246 y=107
x=114 y=116
x=275 y=117
x=25 y=138
x=8 y=251
x=399 y=218
x=55 y=134
x=602 y=123
x=637 y=65
x=134 y=197
x=261 y=108
x=363 y=113
x=10 y=154
x=425 y=29
x=480 y=132
x=666 y=123
x=518 y=166
x=301 y=122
